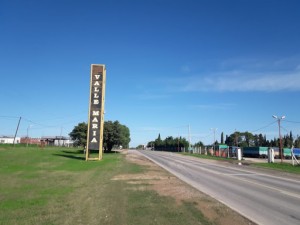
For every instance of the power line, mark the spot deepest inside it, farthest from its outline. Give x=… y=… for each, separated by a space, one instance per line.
x=284 y=128
x=264 y=127
x=50 y=126
x=39 y=124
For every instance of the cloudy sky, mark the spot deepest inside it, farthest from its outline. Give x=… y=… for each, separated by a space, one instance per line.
x=206 y=64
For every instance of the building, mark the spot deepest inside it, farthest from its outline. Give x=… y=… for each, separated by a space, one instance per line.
x=31 y=141
x=57 y=141
x=9 y=140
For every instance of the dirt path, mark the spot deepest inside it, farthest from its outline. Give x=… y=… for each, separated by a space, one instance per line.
x=156 y=178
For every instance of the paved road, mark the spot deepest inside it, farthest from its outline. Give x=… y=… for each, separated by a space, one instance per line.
x=259 y=196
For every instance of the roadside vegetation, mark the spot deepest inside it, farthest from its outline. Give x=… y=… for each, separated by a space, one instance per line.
x=55 y=185
x=284 y=167
x=240 y=139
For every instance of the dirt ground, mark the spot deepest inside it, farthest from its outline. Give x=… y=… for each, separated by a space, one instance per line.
x=156 y=178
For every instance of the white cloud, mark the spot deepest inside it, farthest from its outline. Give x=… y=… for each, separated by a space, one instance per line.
x=238 y=81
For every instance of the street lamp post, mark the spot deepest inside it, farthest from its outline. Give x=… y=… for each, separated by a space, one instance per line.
x=214 y=144
x=280 y=141
x=28 y=135
x=190 y=139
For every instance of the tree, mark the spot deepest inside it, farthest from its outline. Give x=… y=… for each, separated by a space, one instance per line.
x=230 y=140
x=242 y=139
x=79 y=134
x=297 y=142
x=169 y=144
x=289 y=140
x=222 y=138
x=199 y=144
x=249 y=139
x=151 y=144
x=114 y=134
x=158 y=143
x=140 y=147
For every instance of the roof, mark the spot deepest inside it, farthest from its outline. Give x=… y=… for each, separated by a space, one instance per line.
x=5 y=136
x=54 y=138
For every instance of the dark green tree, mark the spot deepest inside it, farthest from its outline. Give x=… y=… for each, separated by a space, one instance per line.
x=115 y=134
x=140 y=147
x=199 y=144
x=222 y=138
x=151 y=144
x=289 y=140
x=245 y=139
x=79 y=134
x=230 y=140
x=249 y=139
x=169 y=144
x=158 y=143
x=297 y=142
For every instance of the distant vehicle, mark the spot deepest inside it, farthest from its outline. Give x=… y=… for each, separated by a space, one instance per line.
x=296 y=152
x=256 y=152
x=287 y=153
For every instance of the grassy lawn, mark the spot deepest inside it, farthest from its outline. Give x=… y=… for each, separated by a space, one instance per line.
x=57 y=186
x=284 y=167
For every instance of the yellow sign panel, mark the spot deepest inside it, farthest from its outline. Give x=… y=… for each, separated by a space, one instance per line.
x=96 y=111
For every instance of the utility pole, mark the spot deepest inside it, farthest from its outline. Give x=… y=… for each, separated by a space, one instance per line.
x=214 y=144
x=236 y=138
x=27 y=136
x=280 y=141
x=17 y=130
x=189 y=138
x=178 y=143
x=28 y=140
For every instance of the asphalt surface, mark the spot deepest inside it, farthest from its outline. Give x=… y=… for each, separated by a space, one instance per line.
x=263 y=197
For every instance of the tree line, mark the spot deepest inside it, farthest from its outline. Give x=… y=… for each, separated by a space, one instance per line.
x=241 y=139
x=168 y=144
x=247 y=139
x=114 y=135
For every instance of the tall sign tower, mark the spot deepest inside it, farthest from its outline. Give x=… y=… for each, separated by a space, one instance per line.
x=96 y=112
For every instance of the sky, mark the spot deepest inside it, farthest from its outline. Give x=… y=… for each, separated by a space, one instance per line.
x=189 y=68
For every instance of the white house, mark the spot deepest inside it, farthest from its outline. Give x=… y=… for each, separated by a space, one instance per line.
x=9 y=140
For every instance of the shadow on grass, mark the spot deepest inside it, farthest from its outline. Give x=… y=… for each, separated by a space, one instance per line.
x=112 y=151
x=73 y=152
x=79 y=154
x=71 y=156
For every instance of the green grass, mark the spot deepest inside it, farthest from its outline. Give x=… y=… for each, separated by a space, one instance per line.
x=57 y=186
x=284 y=167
